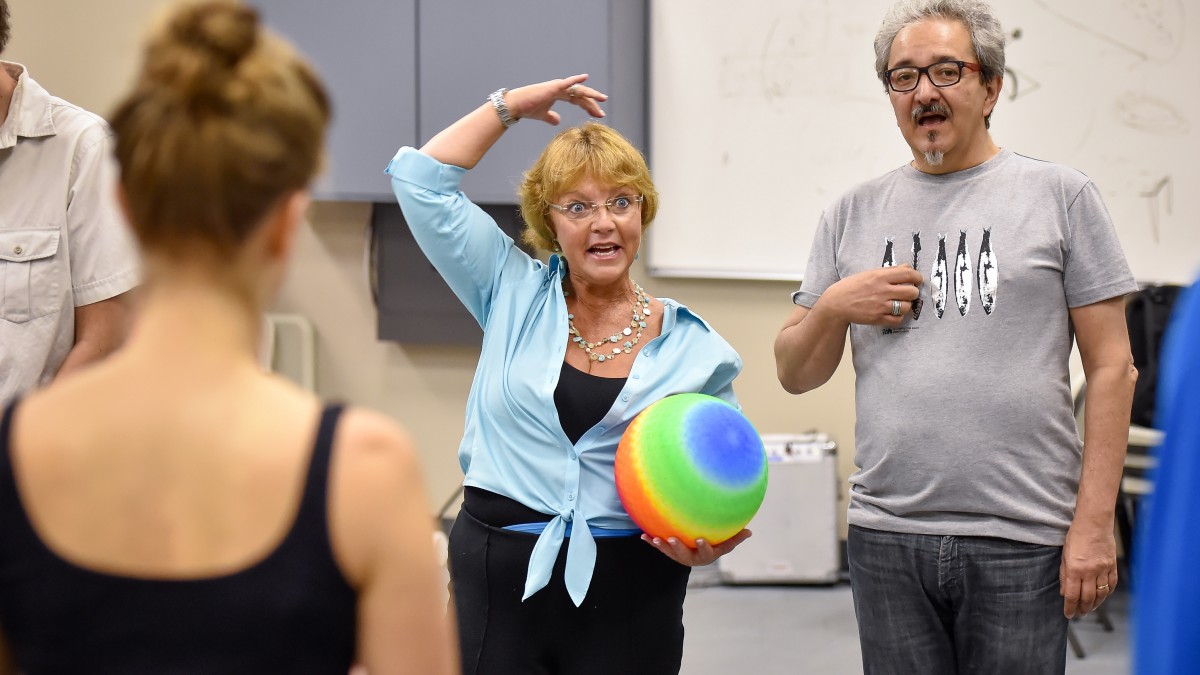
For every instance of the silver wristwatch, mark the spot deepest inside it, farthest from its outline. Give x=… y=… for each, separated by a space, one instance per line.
x=496 y=98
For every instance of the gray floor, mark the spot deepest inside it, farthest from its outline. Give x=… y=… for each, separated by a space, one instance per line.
x=768 y=630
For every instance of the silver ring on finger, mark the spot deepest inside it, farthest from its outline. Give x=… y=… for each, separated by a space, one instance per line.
x=1103 y=587
x=896 y=307
x=573 y=90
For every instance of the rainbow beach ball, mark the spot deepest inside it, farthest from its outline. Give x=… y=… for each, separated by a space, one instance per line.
x=691 y=466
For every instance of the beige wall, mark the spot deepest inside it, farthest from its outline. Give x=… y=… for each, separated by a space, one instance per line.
x=86 y=52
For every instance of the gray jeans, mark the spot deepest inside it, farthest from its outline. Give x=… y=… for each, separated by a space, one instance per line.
x=934 y=605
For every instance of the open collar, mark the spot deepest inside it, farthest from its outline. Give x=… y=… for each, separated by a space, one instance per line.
x=29 y=112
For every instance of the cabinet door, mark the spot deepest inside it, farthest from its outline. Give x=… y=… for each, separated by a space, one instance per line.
x=366 y=53
x=469 y=48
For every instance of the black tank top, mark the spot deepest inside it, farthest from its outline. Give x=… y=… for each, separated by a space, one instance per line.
x=582 y=400
x=291 y=612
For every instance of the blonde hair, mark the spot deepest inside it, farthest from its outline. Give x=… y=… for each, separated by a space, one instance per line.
x=224 y=120
x=591 y=150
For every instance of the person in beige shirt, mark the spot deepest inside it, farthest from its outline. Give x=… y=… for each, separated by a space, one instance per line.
x=66 y=256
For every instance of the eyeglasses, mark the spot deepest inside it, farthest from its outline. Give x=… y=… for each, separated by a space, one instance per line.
x=941 y=74
x=618 y=206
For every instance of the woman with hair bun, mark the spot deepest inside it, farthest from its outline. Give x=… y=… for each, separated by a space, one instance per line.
x=174 y=509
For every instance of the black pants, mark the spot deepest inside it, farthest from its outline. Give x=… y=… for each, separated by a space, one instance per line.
x=630 y=623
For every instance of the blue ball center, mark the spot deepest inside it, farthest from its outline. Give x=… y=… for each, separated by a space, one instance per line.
x=723 y=445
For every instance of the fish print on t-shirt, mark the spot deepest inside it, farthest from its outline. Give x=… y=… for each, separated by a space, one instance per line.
x=916 y=263
x=939 y=280
x=889 y=260
x=962 y=275
x=986 y=274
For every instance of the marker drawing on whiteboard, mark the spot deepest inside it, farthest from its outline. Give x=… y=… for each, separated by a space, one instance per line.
x=1162 y=192
x=1151 y=30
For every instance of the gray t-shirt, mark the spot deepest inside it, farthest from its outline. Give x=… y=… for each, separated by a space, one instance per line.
x=964 y=415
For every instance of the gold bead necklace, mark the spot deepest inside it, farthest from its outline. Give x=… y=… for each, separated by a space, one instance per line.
x=609 y=348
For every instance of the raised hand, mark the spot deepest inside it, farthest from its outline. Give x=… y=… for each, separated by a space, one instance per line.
x=536 y=101
x=466 y=141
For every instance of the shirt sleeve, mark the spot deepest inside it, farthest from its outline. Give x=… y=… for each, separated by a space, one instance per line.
x=725 y=364
x=720 y=384
x=464 y=243
x=1095 y=267
x=821 y=271
x=104 y=258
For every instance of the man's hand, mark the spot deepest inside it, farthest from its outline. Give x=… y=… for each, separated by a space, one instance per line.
x=867 y=297
x=1088 y=574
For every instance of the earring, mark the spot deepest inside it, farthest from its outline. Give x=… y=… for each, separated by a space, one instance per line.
x=557 y=247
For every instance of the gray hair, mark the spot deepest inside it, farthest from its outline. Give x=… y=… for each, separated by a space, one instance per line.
x=987 y=37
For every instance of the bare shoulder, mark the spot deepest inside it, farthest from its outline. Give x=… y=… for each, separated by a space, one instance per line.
x=376 y=494
x=369 y=434
x=382 y=531
x=372 y=451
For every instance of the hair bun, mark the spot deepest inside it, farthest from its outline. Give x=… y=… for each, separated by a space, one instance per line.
x=225 y=32
x=224 y=120
x=195 y=54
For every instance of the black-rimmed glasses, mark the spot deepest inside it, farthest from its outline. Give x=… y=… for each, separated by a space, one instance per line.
x=941 y=74
x=618 y=206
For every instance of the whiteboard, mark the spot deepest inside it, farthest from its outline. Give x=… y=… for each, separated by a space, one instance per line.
x=763 y=112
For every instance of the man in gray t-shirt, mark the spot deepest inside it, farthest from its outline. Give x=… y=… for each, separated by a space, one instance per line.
x=960 y=278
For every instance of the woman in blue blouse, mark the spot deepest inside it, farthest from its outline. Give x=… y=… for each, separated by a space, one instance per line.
x=549 y=574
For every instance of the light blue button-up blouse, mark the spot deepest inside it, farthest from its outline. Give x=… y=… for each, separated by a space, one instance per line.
x=513 y=444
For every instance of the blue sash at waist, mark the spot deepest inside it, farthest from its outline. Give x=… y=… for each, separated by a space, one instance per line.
x=597 y=532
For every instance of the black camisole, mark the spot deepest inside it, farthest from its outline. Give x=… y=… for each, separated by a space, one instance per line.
x=291 y=612
x=582 y=400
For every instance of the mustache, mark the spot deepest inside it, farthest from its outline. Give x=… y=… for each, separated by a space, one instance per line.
x=931 y=109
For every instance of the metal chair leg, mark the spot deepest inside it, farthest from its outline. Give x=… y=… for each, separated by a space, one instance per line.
x=1102 y=616
x=1076 y=647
